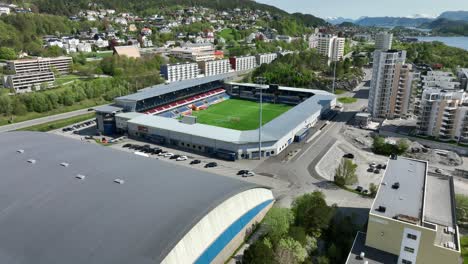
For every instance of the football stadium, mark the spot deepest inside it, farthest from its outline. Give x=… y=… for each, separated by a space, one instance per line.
x=212 y=116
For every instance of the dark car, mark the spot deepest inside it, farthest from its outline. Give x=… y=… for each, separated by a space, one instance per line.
x=174 y=156
x=157 y=151
x=348 y=156
x=376 y=171
x=242 y=172
x=359 y=188
x=370 y=170
x=211 y=165
x=193 y=162
x=127 y=145
x=379 y=166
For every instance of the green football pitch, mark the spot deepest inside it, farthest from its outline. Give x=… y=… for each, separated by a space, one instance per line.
x=239 y=114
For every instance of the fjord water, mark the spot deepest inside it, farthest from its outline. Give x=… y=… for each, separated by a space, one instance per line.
x=459 y=42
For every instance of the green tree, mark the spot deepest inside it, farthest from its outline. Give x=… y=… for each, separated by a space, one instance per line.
x=278 y=220
x=312 y=212
x=345 y=174
x=373 y=189
x=7 y=53
x=290 y=251
x=260 y=252
x=462 y=208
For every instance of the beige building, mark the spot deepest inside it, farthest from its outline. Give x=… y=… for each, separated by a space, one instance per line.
x=412 y=219
x=215 y=67
x=61 y=64
x=180 y=71
x=331 y=46
x=391 y=85
x=29 y=82
x=443 y=114
x=194 y=52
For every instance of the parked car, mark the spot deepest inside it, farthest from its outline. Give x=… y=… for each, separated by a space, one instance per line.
x=182 y=158
x=193 y=162
x=376 y=171
x=211 y=165
x=175 y=156
x=359 y=188
x=242 y=172
x=162 y=153
x=439 y=170
x=89 y=137
x=348 y=156
x=127 y=145
x=248 y=174
x=372 y=165
x=370 y=170
x=168 y=155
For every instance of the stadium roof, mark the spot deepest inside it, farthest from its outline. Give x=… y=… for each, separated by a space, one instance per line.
x=161 y=89
x=50 y=216
x=272 y=131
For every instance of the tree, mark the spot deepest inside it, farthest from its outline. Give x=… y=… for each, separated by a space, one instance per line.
x=7 y=53
x=322 y=260
x=462 y=208
x=260 y=252
x=345 y=174
x=373 y=189
x=289 y=251
x=278 y=221
x=312 y=212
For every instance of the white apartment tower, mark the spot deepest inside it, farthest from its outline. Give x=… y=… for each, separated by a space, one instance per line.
x=331 y=46
x=391 y=84
x=265 y=58
x=383 y=41
x=243 y=63
x=215 y=67
x=180 y=71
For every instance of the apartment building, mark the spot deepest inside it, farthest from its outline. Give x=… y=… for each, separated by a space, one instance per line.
x=265 y=58
x=61 y=64
x=180 y=71
x=383 y=41
x=331 y=46
x=215 y=67
x=29 y=82
x=243 y=63
x=194 y=52
x=443 y=114
x=391 y=85
x=462 y=75
x=412 y=219
x=440 y=80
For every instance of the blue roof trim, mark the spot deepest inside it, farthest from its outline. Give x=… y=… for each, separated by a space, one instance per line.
x=225 y=238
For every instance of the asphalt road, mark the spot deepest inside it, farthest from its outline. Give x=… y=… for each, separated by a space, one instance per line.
x=42 y=120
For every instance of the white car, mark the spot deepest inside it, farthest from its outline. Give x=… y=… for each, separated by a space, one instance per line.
x=168 y=155
x=182 y=158
x=162 y=154
x=248 y=174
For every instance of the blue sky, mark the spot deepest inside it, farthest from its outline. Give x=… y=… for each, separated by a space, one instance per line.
x=358 y=8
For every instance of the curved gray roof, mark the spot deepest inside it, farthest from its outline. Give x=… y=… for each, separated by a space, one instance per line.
x=49 y=216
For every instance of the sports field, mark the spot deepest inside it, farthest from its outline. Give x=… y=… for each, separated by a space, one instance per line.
x=239 y=114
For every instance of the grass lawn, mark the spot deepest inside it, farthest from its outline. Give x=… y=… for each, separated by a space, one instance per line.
x=340 y=91
x=227 y=34
x=59 y=123
x=66 y=78
x=464 y=248
x=239 y=114
x=347 y=100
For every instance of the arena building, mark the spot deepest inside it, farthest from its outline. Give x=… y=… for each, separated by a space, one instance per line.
x=154 y=114
x=68 y=201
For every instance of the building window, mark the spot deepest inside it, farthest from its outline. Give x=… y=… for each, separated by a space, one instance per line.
x=411 y=236
x=408 y=249
x=404 y=261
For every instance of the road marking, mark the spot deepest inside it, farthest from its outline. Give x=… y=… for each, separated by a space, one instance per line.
x=318 y=138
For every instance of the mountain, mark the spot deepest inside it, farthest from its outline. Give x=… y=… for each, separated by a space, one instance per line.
x=392 y=21
x=455 y=15
x=446 y=26
x=147 y=7
x=338 y=20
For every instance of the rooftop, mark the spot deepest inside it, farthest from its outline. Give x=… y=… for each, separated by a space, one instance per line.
x=72 y=219
x=129 y=51
x=371 y=255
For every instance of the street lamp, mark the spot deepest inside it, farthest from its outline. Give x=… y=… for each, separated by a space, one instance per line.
x=260 y=80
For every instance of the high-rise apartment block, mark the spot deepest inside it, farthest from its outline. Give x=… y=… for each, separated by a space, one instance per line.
x=60 y=64
x=265 y=58
x=215 y=67
x=391 y=85
x=412 y=219
x=331 y=46
x=444 y=114
x=243 y=63
x=180 y=71
x=383 y=41
x=462 y=75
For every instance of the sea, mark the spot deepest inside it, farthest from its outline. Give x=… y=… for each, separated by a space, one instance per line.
x=458 y=42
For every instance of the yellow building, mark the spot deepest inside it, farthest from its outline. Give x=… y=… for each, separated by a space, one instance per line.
x=412 y=219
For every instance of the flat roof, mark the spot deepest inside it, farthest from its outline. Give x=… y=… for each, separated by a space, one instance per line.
x=407 y=200
x=108 y=109
x=50 y=216
x=165 y=88
x=371 y=255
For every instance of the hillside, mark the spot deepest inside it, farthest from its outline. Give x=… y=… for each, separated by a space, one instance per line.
x=446 y=26
x=392 y=21
x=150 y=7
x=455 y=15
